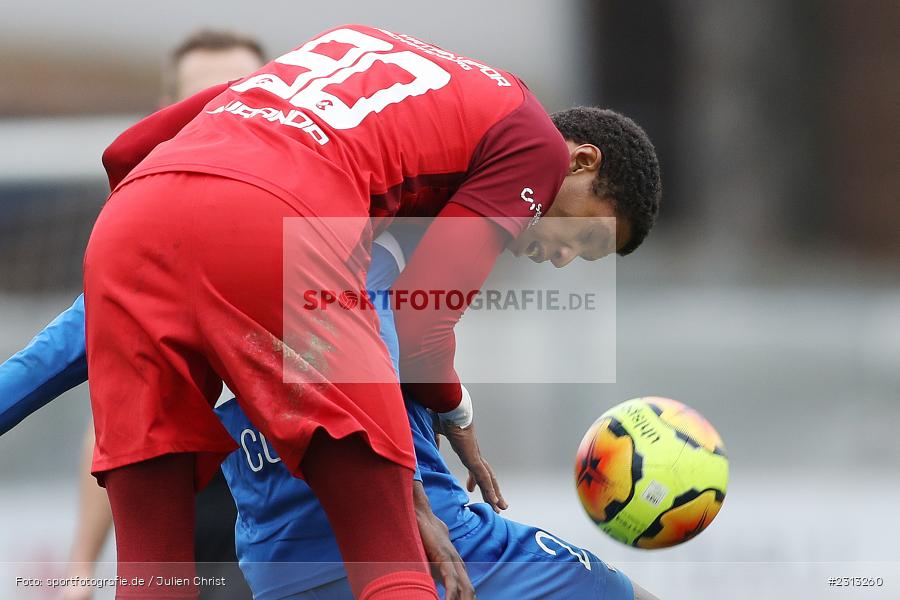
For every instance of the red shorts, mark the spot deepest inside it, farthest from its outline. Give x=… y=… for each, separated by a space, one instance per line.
x=185 y=286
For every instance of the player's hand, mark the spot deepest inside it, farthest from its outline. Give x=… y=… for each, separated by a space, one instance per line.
x=465 y=444
x=77 y=592
x=446 y=564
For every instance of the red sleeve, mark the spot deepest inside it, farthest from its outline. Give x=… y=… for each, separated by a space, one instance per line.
x=456 y=253
x=136 y=142
x=517 y=168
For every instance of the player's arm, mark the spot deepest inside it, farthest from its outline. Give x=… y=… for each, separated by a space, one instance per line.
x=52 y=363
x=456 y=253
x=94 y=524
x=518 y=167
x=427 y=340
x=446 y=564
x=136 y=142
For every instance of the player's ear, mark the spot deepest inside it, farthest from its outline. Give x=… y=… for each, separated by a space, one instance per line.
x=585 y=157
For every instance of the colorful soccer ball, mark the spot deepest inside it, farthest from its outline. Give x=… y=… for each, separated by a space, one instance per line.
x=651 y=472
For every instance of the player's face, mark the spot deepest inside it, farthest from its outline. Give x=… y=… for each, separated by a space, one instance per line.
x=578 y=223
x=200 y=69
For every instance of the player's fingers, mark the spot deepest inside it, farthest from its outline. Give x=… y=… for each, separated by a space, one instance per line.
x=491 y=483
x=478 y=478
x=485 y=482
x=443 y=571
x=453 y=574
x=449 y=577
x=501 y=501
x=462 y=586
x=467 y=588
x=436 y=429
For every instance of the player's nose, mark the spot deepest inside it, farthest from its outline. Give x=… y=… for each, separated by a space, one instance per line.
x=563 y=256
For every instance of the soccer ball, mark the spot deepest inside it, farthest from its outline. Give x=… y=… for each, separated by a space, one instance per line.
x=651 y=472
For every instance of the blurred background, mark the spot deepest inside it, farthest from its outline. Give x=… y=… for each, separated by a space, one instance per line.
x=767 y=297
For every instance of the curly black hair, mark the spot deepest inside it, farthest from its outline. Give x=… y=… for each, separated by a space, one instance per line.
x=629 y=173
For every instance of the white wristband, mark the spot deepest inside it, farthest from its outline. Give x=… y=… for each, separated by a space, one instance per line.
x=462 y=415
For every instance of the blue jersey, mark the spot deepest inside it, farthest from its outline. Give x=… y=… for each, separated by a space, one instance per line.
x=283 y=540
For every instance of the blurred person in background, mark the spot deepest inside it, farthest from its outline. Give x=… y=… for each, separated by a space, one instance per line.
x=205 y=58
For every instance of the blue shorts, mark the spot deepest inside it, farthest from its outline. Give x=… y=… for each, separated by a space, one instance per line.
x=506 y=559
x=511 y=561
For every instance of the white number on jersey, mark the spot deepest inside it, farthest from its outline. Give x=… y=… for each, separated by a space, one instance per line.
x=308 y=88
x=541 y=537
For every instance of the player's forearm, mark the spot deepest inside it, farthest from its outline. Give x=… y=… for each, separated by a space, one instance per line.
x=94 y=515
x=455 y=256
x=420 y=498
x=136 y=142
x=427 y=373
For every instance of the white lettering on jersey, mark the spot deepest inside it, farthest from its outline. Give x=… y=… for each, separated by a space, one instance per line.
x=244 y=434
x=527 y=195
x=295 y=118
x=256 y=468
x=464 y=63
x=265 y=446
x=580 y=555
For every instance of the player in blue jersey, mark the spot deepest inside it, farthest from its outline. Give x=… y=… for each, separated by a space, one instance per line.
x=282 y=536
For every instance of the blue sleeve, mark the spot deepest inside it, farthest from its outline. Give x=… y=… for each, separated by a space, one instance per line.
x=52 y=363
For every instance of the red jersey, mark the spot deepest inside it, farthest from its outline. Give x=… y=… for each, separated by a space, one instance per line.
x=403 y=124
x=391 y=126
